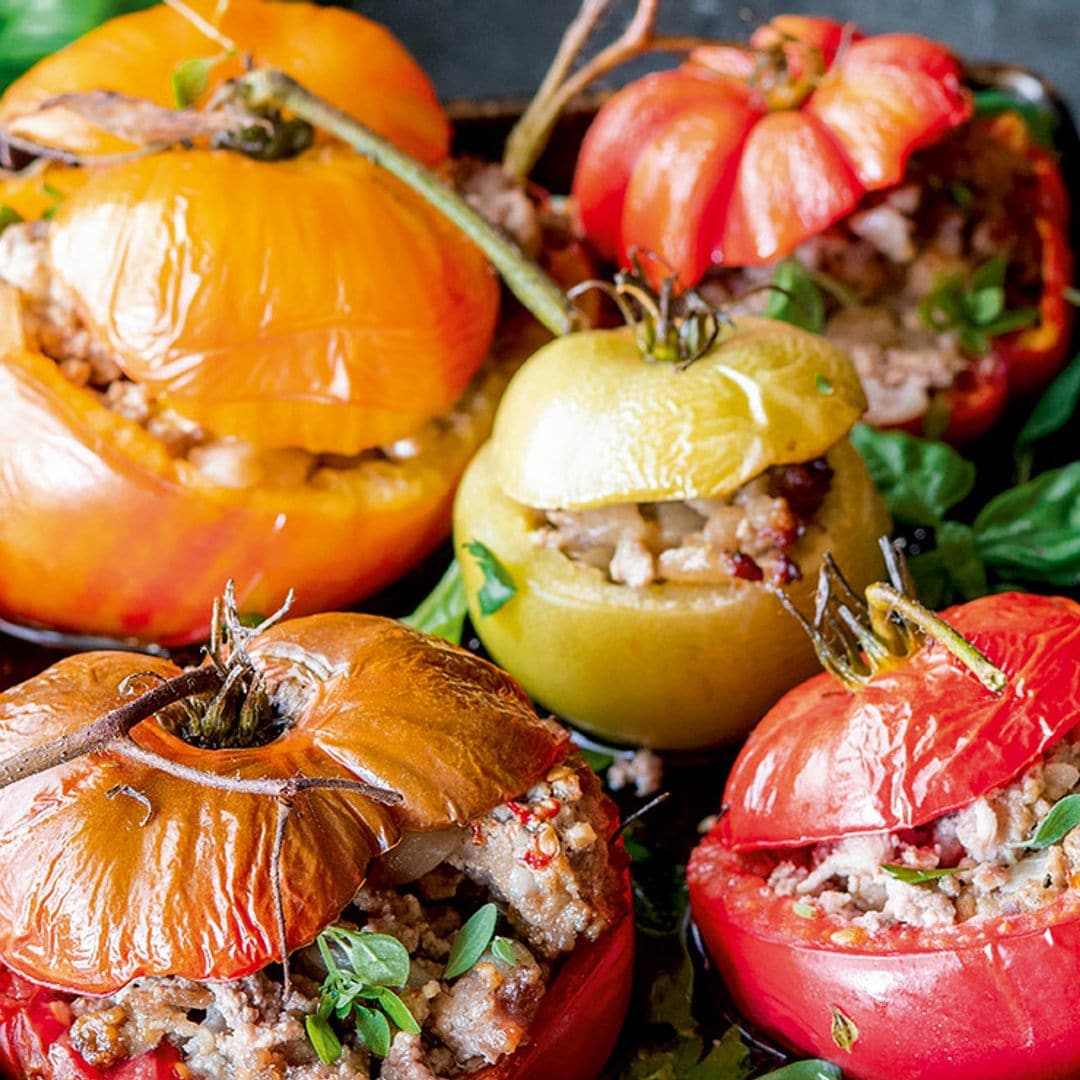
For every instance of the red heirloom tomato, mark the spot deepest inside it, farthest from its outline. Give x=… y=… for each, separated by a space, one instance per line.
x=981 y=999
x=712 y=165
x=395 y=734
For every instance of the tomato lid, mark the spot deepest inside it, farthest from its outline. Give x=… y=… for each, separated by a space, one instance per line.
x=917 y=741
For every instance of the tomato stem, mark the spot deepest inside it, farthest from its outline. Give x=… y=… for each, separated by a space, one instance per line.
x=527 y=281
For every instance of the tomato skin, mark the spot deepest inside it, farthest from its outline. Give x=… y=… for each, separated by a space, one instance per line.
x=993 y=1001
x=796 y=169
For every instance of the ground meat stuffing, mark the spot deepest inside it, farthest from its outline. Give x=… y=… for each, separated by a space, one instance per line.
x=750 y=535
x=995 y=873
x=962 y=203
x=544 y=857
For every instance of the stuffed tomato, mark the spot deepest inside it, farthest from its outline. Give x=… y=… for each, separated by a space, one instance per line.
x=644 y=512
x=340 y=848
x=893 y=881
x=929 y=242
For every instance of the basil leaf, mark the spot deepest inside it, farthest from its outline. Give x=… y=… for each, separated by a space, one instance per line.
x=442 y=612
x=912 y=875
x=1055 y=408
x=919 y=479
x=373 y=1029
x=323 y=1038
x=1041 y=123
x=954 y=568
x=1062 y=819
x=471 y=941
x=8 y=216
x=376 y=959
x=191 y=78
x=498 y=585
x=728 y=1059
x=597 y=760
x=808 y=1070
x=397 y=1010
x=800 y=303
x=503 y=949
x=1031 y=532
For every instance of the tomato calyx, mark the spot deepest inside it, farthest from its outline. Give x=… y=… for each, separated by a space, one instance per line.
x=856 y=638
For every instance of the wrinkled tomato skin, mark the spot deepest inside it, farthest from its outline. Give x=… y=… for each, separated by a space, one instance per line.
x=992 y=1001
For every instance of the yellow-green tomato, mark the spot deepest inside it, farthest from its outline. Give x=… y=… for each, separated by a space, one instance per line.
x=587 y=422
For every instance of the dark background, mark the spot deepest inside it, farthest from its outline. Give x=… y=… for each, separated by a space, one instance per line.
x=500 y=48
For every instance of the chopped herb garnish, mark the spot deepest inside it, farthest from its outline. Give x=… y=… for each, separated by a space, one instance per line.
x=823 y=385
x=8 y=216
x=961 y=194
x=912 y=875
x=503 y=949
x=57 y=197
x=844 y=1032
x=360 y=988
x=471 y=941
x=442 y=612
x=804 y=910
x=1062 y=819
x=973 y=307
x=795 y=297
x=498 y=586
x=191 y=78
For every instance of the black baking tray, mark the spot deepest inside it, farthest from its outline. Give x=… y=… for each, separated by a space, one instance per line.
x=695 y=782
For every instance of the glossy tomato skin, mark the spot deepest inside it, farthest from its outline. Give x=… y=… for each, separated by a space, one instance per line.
x=987 y=998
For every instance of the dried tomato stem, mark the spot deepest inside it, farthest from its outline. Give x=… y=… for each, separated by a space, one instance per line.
x=528 y=282
x=561 y=84
x=884 y=598
x=284 y=809
x=107 y=731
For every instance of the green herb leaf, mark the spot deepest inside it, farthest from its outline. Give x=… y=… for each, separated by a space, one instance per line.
x=912 y=875
x=498 y=585
x=191 y=78
x=374 y=1030
x=961 y=194
x=396 y=1009
x=844 y=1032
x=56 y=195
x=442 y=612
x=800 y=303
x=920 y=479
x=8 y=216
x=637 y=851
x=815 y=1069
x=1031 y=532
x=727 y=1059
x=804 y=910
x=823 y=385
x=1040 y=122
x=323 y=1038
x=597 y=760
x=503 y=949
x=471 y=941
x=1055 y=408
x=376 y=959
x=1062 y=819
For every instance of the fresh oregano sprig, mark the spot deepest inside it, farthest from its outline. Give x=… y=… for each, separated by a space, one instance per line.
x=362 y=988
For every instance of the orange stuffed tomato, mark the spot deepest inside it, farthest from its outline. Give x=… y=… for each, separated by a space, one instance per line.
x=138 y=54
x=849 y=171
x=446 y=882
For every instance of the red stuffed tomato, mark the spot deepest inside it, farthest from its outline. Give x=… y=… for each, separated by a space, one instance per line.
x=848 y=170
x=895 y=882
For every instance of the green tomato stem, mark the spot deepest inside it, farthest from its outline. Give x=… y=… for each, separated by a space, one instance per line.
x=527 y=281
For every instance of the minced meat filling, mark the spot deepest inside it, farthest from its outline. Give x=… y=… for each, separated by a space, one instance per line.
x=543 y=857
x=750 y=535
x=962 y=203
x=996 y=874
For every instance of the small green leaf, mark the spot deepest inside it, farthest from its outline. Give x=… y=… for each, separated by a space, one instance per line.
x=597 y=760
x=815 y=1069
x=961 y=194
x=503 y=949
x=1041 y=123
x=442 y=612
x=373 y=1029
x=984 y=305
x=397 y=1010
x=1055 y=408
x=471 y=941
x=1062 y=819
x=8 y=216
x=796 y=298
x=727 y=1059
x=637 y=851
x=823 y=385
x=191 y=78
x=323 y=1038
x=844 y=1032
x=920 y=479
x=912 y=875
x=376 y=959
x=804 y=910
x=498 y=586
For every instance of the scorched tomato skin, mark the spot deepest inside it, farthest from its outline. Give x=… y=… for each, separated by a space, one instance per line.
x=986 y=1000
x=918 y=740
